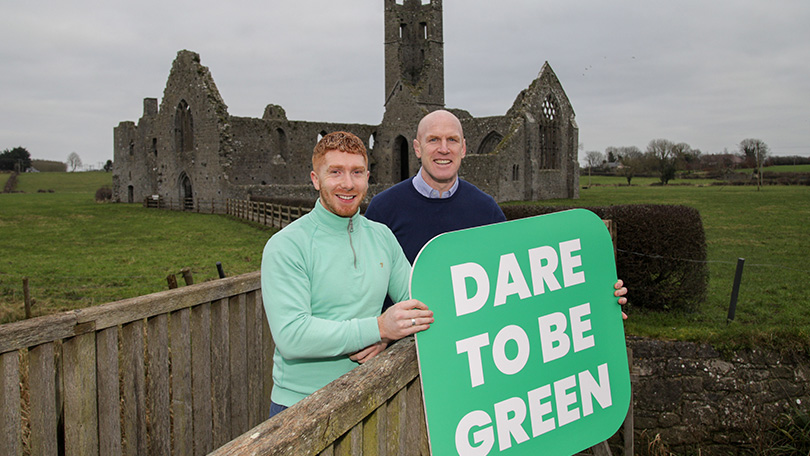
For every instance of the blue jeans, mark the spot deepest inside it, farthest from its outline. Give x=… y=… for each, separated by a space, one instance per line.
x=275 y=409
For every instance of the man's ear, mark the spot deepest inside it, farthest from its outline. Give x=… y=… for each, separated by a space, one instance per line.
x=315 y=182
x=416 y=149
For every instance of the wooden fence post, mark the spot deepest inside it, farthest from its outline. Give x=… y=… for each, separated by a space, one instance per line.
x=172 y=281
x=27 y=297
x=187 y=276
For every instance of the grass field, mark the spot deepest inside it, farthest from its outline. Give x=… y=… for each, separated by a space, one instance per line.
x=78 y=253
x=768 y=228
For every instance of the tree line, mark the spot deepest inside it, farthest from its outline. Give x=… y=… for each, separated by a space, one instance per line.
x=19 y=159
x=664 y=158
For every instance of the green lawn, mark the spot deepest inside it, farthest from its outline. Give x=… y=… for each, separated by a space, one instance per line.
x=78 y=253
x=84 y=182
x=768 y=228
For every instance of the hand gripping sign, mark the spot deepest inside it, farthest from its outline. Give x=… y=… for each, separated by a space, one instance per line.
x=527 y=353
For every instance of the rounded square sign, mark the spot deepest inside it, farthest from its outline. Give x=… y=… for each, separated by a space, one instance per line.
x=527 y=353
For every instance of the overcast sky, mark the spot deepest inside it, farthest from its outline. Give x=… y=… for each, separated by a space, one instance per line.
x=708 y=73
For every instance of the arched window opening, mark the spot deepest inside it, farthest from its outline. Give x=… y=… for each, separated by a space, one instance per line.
x=490 y=142
x=283 y=144
x=186 y=193
x=183 y=127
x=550 y=134
x=401 y=154
x=515 y=172
x=130 y=194
x=423 y=30
x=132 y=148
x=154 y=146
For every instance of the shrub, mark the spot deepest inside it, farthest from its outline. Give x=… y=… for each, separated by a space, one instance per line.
x=661 y=252
x=103 y=194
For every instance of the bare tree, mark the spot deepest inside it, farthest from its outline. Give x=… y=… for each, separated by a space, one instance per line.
x=74 y=161
x=632 y=161
x=757 y=150
x=593 y=158
x=662 y=152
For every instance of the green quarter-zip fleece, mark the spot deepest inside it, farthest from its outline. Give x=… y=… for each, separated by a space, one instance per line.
x=324 y=278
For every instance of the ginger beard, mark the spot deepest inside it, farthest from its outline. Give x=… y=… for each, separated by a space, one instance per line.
x=341 y=179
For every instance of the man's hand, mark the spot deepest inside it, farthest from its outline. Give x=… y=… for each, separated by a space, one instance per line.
x=369 y=352
x=619 y=293
x=403 y=319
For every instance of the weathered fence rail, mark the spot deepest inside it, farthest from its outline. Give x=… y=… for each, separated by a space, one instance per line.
x=376 y=409
x=268 y=214
x=189 y=371
x=203 y=206
x=177 y=372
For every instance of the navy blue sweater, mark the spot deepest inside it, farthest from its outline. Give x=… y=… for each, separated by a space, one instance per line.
x=416 y=219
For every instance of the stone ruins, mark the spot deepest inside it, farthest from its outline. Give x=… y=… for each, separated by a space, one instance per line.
x=190 y=148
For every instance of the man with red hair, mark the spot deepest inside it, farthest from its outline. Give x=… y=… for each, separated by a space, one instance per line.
x=324 y=278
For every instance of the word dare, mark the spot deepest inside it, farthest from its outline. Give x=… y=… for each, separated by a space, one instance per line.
x=543 y=262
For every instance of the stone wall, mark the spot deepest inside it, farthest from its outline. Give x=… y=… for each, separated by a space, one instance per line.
x=696 y=397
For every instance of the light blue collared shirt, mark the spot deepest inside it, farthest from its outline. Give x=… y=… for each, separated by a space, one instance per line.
x=429 y=192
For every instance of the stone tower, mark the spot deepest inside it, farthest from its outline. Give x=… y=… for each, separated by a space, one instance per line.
x=190 y=149
x=414 y=52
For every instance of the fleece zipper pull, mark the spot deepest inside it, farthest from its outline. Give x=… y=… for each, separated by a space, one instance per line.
x=350 y=230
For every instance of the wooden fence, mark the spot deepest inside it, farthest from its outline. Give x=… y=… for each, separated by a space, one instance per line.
x=267 y=214
x=188 y=371
x=211 y=206
x=375 y=409
x=177 y=372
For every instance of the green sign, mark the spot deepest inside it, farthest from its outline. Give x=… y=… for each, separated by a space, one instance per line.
x=527 y=353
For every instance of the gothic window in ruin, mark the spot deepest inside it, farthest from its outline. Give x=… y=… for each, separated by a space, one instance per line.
x=132 y=148
x=490 y=142
x=400 y=155
x=423 y=28
x=154 y=146
x=550 y=134
x=183 y=128
x=283 y=145
x=515 y=172
x=186 y=193
x=130 y=194
x=372 y=160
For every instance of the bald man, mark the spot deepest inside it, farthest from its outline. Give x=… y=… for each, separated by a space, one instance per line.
x=435 y=200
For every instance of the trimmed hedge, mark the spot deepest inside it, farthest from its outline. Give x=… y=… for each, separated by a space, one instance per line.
x=661 y=252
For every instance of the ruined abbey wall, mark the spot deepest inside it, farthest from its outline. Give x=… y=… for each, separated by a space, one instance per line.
x=190 y=148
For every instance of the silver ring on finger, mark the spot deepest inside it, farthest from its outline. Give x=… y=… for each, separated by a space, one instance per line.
x=413 y=321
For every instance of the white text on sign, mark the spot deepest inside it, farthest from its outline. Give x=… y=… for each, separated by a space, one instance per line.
x=543 y=262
